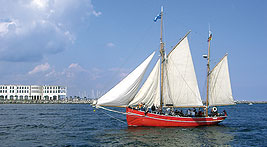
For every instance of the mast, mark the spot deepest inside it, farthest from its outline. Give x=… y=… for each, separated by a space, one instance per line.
x=208 y=72
x=162 y=53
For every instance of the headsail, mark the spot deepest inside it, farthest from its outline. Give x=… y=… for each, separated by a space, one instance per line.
x=220 y=92
x=180 y=84
x=122 y=93
x=150 y=91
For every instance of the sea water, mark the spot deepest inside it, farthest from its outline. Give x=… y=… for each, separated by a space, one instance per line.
x=79 y=125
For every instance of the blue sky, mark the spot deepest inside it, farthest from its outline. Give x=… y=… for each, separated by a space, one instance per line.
x=91 y=45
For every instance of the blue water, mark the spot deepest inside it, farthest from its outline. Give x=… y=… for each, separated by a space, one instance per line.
x=78 y=125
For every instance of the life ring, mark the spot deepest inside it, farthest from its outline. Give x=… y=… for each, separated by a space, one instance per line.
x=214 y=109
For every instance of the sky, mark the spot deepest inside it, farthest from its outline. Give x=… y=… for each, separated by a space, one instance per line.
x=90 y=45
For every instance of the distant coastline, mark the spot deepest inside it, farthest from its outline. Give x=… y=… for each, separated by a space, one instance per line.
x=246 y=102
x=46 y=102
x=89 y=101
x=253 y=102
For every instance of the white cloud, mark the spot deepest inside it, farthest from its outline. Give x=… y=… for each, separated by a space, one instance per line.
x=74 y=65
x=33 y=29
x=4 y=28
x=41 y=4
x=53 y=72
x=40 y=68
x=96 y=13
x=110 y=44
x=74 y=70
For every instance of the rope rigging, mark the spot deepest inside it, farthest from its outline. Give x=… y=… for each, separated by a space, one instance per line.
x=111 y=115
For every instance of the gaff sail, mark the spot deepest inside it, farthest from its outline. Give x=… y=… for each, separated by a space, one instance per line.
x=220 y=92
x=180 y=83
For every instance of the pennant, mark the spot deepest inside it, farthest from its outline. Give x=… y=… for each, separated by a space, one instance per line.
x=157 y=17
x=210 y=37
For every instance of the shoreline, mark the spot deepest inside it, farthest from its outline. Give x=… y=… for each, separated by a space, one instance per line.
x=246 y=102
x=46 y=102
x=253 y=102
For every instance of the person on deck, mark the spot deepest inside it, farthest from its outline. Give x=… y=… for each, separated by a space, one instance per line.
x=181 y=113
x=199 y=113
x=153 y=108
x=168 y=111
x=157 y=109
x=194 y=113
x=172 y=111
x=189 y=112
x=140 y=106
x=176 y=112
x=144 y=107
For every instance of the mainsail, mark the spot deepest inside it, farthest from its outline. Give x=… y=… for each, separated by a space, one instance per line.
x=180 y=84
x=220 y=92
x=150 y=91
x=122 y=93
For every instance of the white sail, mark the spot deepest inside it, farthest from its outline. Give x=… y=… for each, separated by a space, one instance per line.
x=180 y=84
x=122 y=93
x=220 y=92
x=150 y=91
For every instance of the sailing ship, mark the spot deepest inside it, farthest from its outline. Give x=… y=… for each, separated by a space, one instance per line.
x=172 y=83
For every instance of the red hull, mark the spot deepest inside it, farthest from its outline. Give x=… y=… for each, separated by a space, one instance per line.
x=138 y=118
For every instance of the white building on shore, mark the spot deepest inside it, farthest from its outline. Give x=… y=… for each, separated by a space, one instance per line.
x=32 y=92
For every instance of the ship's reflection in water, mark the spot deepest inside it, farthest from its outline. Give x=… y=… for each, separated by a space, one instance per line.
x=175 y=136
